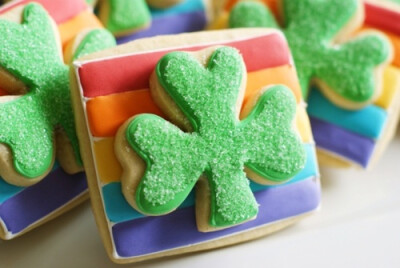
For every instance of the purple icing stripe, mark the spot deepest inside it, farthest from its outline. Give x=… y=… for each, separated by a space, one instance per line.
x=174 y=24
x=153 y=234
x=39 y=200
x=342 y=142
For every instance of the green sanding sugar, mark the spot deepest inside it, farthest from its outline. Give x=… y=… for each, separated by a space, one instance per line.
x=220 y=145
x=127 y=14
x=251 y=14
x=310 y=26
x=95 y=40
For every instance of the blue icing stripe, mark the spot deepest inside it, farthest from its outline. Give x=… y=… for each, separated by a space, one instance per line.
x=118 y=210
x=7 y=190
x=185 y=7
x=368 y=122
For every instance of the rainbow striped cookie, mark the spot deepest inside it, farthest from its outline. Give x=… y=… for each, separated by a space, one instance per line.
x=109 y=90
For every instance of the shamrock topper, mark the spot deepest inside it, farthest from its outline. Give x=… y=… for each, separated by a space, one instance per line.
x=220 y=147
x=30 y=122
x=124 y=16
x=347 y=72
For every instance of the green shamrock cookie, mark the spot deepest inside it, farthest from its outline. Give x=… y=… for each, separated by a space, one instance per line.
x=29 y=123
x=221 y=147
x=345 y=72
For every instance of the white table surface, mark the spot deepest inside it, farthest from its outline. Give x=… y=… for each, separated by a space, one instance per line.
x=357 y=226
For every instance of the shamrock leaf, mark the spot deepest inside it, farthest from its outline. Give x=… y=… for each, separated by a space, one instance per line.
x=220 y=146
x=345 y=72
x=121 y=16
x=30 y=122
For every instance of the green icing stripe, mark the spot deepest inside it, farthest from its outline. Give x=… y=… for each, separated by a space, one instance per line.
x=95 y=40
x=29 y=52
x=220 y=145
x=310 y=27
x=127 y=15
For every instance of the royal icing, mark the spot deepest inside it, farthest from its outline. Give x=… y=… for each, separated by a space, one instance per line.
x=347 y=69
x=29 y=51
x=220 y=145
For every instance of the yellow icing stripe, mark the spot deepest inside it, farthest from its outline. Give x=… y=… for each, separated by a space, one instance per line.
x=391 y=83
x=303 y=125
x=220 y=23
x=108 y=166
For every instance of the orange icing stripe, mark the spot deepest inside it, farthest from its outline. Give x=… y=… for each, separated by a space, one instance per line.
x=395 y=42
x=108 y=167
x=285 y=75
x=72 y=27
x=107 y=113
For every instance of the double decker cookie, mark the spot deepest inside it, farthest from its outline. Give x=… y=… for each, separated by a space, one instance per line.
x=122 y=127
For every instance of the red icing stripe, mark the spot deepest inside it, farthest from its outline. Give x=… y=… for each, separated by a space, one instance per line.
x=59 y=10
x=382 y=18
x=132 y=72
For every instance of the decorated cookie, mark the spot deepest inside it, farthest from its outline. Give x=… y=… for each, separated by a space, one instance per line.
x=231 y=106
x=71 y=16
x=185 y=16
x=348 y=74
x=37 y=121
x=341 y=81
x=217 y=149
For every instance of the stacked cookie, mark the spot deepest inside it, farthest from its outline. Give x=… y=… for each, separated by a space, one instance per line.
x=189 y=141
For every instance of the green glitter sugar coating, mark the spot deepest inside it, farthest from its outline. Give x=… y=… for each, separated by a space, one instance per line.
x=220 y=145
x=29 y=52
x=251 y=14
x=95 y=40
x=310 y=26
x=125 y=15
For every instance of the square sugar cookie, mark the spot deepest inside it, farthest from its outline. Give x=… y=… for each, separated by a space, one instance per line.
x=112 y=86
